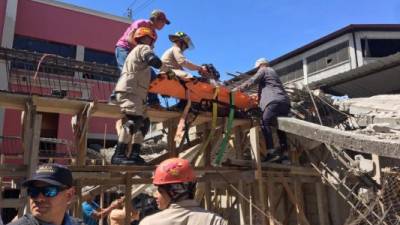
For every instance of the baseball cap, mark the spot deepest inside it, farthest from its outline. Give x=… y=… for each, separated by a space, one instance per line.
x=260 y=61
x=160 y=15
x=51 y=173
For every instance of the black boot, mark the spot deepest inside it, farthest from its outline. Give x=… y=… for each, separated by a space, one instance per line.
x=135 y=155
x=119 y=157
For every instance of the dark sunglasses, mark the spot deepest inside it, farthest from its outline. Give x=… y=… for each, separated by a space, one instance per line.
x=47 y=191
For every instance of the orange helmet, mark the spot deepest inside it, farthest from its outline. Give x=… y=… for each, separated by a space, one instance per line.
x=172 y=171
x=144 y=31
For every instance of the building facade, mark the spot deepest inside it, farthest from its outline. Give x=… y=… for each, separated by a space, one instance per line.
x=52 y=27
x=343 y=50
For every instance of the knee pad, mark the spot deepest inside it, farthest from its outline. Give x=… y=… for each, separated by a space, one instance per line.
x=145 y=127
x=133 y=123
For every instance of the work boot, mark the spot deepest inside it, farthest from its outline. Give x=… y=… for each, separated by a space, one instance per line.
x=135 y=155
x=119 y=157
x=272 y=156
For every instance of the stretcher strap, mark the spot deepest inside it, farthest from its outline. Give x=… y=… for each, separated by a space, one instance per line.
x=213 y=120
x=228 y=130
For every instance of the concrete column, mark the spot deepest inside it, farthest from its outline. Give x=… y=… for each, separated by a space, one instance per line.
x=80 y=56
x=305 y=71
x=7 y=42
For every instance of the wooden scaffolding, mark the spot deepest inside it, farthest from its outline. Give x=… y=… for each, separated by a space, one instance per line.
x=244 y=192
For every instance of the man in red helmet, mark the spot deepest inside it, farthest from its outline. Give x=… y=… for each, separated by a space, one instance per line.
x=176 y=183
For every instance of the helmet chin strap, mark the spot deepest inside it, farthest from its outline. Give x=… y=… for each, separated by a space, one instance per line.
x=180 y=191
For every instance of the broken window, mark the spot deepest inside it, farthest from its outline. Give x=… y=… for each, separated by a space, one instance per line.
x=43 y=46
x=103 y=58
x=291 y=72
x=329 y=57
x=379 y=47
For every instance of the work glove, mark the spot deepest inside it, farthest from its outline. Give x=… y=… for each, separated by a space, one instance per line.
x=203 y=71
x=171 y=75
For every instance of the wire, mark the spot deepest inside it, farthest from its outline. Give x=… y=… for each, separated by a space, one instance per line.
x=132 y=3
x=143 y=6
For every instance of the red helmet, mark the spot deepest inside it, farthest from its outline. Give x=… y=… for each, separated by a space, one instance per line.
x=173 y=170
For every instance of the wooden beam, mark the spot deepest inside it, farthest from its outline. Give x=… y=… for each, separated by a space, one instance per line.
x=254 y=141
x=128 y=198
x=293 y=197
x=8 y=170
x=12 y=203
x=271 y=202
x=322 y=203
x=72 y=107
x=344 y=139
x=172 y=128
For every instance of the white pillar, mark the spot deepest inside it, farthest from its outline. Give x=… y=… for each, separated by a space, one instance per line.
x=80 y=56
x=7 y=42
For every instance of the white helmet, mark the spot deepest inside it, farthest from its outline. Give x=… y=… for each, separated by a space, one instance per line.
x=260 y=61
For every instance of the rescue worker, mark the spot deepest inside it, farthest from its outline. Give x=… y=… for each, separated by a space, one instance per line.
x=273 y=102
x=176 y=181
x=131 y=93
x=126 y=43
x=174 y=59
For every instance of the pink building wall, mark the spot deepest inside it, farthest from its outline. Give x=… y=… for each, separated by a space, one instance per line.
x=52 y=23
x=3 y=5
x=47 y=22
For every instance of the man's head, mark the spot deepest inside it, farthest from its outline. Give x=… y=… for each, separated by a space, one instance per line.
x=50 y=192
x=182 y=40
x=261 y=62
x=144 y=35
x=159 y=19
x=175 y=180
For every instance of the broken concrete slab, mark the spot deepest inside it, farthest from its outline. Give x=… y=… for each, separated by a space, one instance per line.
x=344 y=139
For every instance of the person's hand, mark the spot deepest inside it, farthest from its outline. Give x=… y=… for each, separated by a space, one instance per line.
x=171 y=74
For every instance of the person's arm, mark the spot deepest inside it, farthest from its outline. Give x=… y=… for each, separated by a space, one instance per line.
x=135 y=25
x=102 y=213
x=117 y=214
x=150 y=57
x=251 y=81
x=181 y=59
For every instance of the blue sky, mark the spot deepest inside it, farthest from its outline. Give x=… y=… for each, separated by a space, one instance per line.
x=232 y=34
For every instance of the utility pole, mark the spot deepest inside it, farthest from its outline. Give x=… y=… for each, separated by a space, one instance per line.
x=129 y=13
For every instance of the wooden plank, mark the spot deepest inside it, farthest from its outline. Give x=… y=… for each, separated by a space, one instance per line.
x=254 y=141
x=8 y=170
x=295 y=201
x=271 y=202
x=344 y=139
x=172 y=128
x=12 y=203
x=377 y=165
x=185 y=147
x=322 y=203
x=128 y=198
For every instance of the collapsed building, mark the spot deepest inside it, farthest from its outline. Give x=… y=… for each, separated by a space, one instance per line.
x=344 y=129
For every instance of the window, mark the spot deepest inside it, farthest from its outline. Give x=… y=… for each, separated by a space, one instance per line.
x=43 y=46
x=329 y=57
x=379 y=47
x=291 y=72
x=102 y=58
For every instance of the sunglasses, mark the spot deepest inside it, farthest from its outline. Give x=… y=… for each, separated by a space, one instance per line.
x=47 y=191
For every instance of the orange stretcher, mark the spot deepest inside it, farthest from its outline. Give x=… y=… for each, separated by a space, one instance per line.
x=199 y=91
